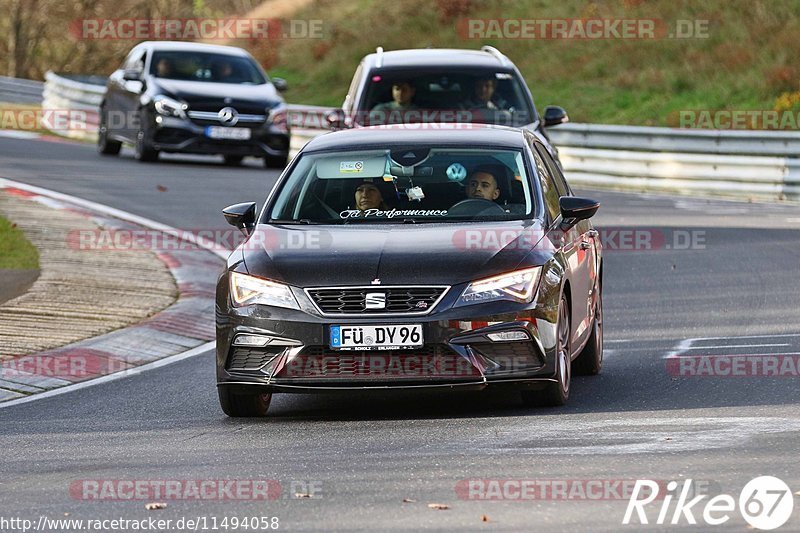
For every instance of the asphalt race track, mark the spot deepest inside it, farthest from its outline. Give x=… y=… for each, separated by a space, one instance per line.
x=734 y=291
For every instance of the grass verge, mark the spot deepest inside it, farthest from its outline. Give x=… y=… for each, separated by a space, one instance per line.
x=16 y=252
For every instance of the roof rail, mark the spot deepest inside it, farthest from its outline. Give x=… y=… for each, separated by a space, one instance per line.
x=495 y=52
x=379 y=60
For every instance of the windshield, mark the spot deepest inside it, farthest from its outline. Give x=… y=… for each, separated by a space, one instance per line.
x=404 y=184
x=486 y=97
x=208 y=67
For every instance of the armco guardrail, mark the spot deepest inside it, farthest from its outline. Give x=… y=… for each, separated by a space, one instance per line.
x=19 y=91
x=79 y=94
x=307 y=122
x=756 y=177
x=691 y=141
x=743 y=164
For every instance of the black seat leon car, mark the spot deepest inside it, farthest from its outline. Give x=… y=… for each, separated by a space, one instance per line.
x=196 y=98
x=453 y=256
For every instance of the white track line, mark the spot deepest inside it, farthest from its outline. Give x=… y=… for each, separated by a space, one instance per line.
x=117 y=213
x=136 y=219
x=113 y=377
x=16 y=134
x=701 y=347
x=731 y=337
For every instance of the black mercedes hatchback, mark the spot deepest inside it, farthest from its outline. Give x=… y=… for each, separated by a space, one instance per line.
x=452 y=256
x=194 y=98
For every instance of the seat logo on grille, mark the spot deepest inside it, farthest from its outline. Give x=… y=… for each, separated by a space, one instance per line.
x=228 y=115
x=375 y=300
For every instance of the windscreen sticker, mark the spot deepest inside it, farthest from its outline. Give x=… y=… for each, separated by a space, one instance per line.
x=351 y=167
x=456 y=172
x=392 y=213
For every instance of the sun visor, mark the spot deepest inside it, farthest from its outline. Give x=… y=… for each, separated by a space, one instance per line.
x=352 y=167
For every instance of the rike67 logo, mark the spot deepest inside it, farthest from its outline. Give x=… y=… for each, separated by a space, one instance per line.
x=765 y=503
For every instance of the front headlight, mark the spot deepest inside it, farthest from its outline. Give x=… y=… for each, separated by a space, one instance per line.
x=248 y=290
x=516 y=286
x=169 y=107
x=278 y=116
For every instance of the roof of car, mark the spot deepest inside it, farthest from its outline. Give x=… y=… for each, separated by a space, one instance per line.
x=438 y=57
x=192 y=47
x=400 y=134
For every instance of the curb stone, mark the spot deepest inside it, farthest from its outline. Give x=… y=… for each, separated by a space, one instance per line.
x=186 y=324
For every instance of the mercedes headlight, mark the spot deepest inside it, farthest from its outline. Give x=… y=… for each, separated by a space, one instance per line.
x=278 y=116
x=516 y=286
x=169 y=107
x=248 y=290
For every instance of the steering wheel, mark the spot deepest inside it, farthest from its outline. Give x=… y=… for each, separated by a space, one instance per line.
x=476 y=207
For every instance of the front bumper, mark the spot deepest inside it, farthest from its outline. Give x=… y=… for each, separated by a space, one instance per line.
x=184 y=135
x=457 y=351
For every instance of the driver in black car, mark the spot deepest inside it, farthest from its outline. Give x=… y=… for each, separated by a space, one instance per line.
x=482 y=183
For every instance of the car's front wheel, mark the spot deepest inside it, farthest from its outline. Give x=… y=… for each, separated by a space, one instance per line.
x=556 y=392
x=106 y=146
x=233 y=160
x=144 y=151
x=243 y=405
x=276 y=161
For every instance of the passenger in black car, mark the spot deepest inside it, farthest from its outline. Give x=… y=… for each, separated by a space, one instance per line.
x=369 y=196
x=164 y=68
x=483 y=96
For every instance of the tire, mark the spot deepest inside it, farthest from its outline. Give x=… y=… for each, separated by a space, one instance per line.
x=556 y=393
x=233 y=160
x=243 y=405
x=144 y=151
x=590 y=360
x=106 y=146
x=276 y=161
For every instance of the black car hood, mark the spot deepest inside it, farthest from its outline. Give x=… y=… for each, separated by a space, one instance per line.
x=309 y=256
x=198 y=92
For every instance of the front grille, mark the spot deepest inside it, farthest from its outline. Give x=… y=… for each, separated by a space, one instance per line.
x=429 y=362
x=251 y=358
x=399 y=300
x=212 y=117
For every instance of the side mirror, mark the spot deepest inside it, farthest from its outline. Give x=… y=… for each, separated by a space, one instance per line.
x=280 y=84
x=574 y=209
x=132 y=74
x=243 y=216
x=554 y=115
x=335 y=119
